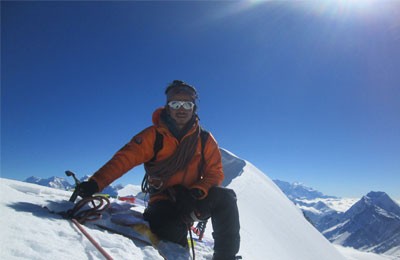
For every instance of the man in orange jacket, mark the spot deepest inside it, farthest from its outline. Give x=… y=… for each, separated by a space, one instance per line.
x=182 y=177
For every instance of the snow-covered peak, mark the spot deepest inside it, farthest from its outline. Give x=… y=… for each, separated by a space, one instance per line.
x=129 y=189
x=377 y=201
x=233 y=166
x=33 y=179
x=53 y=182
x=370 y=224
x=379 y=198
x=385 y=204
x=298 y=190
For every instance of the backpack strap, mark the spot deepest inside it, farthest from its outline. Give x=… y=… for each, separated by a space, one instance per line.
x=204 y=134
x=158 y=145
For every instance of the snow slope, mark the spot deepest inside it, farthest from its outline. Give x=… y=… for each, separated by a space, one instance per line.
x=271 y=227
x=29 y=231
x=352 y=254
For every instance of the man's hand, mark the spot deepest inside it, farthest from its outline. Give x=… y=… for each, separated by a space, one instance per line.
x=186 y=201
x=87 y=188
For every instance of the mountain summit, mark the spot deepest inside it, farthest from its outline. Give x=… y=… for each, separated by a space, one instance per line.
x=371 y=224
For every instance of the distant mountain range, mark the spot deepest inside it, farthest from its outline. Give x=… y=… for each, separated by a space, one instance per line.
x=53 y=182
x=297 y=190
x=63 y=184
x=370 y=224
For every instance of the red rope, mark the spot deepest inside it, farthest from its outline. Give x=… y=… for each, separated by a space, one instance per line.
x=96 y=245
x=99 y=204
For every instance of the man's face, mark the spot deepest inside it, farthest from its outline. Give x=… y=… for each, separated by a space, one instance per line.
x=181 y=115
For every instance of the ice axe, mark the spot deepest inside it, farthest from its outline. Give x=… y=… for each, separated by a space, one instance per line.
x=77 y=182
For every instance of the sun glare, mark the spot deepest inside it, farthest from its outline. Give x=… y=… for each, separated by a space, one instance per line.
x=326 y=7
x=342 y=9
x=357 y=4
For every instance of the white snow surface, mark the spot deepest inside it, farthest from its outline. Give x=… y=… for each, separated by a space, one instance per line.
x=271 y=227
x=129 y=190
x=352 y=254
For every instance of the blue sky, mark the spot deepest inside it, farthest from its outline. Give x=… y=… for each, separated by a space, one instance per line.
x=306 y=91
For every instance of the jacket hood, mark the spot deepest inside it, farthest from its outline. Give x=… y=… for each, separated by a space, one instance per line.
x=157 y=116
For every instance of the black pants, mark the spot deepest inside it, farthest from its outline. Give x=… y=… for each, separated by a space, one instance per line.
x=220 y=205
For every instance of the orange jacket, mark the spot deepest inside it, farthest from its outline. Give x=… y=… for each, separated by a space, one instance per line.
x=141 y=149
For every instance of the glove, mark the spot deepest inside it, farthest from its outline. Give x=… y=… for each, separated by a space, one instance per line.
x=87 y=188
x=186 y=201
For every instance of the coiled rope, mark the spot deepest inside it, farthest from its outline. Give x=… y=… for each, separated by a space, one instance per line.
x=93 y=213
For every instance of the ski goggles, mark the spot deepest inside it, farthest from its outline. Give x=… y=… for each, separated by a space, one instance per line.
x=178 y=104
